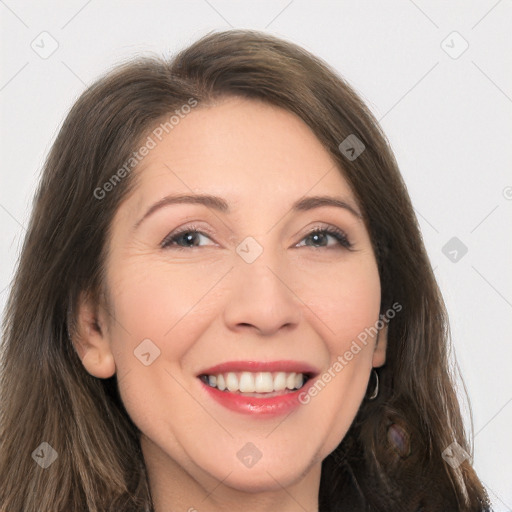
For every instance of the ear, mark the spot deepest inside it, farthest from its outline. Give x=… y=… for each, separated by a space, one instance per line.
x=379 y=353
x=91 y=340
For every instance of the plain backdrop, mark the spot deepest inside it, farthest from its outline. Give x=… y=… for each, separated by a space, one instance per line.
x=437 y=75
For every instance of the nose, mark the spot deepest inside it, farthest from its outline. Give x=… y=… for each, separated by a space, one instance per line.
x=262 y=298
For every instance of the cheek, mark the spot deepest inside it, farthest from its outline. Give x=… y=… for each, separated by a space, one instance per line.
x=156 y=300
x=346 y=304
x=161 y=310
x=345 y=300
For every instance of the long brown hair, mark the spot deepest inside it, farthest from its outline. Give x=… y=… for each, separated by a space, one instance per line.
x=390 y=459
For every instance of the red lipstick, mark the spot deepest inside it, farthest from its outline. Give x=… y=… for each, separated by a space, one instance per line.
x=261 y=366
x=278 y=403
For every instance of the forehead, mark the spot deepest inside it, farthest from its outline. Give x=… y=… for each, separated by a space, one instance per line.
x=242 y=150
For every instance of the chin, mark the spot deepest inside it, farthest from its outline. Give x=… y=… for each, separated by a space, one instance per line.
x=263 y=476
x=261 y=481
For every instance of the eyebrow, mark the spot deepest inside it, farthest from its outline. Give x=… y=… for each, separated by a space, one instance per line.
x=219 y=204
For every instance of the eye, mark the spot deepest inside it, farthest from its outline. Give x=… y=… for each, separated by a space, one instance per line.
x=191 y=237
x=319 y=237
x=185 y=238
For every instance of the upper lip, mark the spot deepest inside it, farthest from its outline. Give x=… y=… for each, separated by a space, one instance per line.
x=287 y=366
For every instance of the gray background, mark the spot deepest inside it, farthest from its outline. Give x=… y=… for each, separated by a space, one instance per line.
x=446 y=110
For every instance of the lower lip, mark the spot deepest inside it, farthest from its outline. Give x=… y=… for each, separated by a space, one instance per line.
x=256 y=406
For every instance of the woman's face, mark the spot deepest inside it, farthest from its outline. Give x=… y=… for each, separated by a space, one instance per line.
x=241 y=282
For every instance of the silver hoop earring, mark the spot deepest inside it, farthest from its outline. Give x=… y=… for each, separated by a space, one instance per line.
x=373 y=396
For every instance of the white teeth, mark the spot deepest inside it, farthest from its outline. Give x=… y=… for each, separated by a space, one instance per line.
x=280 y=382
x=220 y=382
x=264 y=382
x=290 y=381
x=247 y=383
x=258 y=382
x=232 y=382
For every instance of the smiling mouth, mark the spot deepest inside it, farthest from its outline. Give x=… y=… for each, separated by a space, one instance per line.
x=257 y=384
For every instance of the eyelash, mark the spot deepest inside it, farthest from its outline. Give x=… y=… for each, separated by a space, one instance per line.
x=338 y=234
